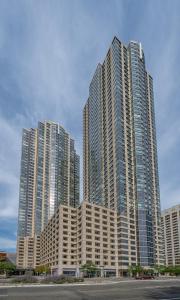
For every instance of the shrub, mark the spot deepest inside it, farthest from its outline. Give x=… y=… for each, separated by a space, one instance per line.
x=61 y=279
x=54 y=279
x=74 y=279
x=24 y=279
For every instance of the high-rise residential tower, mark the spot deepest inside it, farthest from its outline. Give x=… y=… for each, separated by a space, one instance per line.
x=170 y=219
x=49 y=176
x=120 y=153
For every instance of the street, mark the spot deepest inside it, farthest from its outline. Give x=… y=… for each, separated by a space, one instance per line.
x=132 y=290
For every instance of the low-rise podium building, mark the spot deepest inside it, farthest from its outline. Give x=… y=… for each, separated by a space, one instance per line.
x=89 y=233
x=76 y=236
x=170 y=220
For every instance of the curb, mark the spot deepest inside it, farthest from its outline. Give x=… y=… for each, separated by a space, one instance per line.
x=85 y=284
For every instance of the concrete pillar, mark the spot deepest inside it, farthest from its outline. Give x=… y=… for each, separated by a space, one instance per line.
x=77 y=272
x=60 y=271
x=102 y=272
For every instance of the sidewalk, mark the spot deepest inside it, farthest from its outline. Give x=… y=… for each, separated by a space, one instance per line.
x=91 y=281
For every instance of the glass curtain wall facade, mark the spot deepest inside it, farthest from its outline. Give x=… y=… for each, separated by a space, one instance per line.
x=147 y=185
x=49 y=176
x=120 y=147
x=95 y=135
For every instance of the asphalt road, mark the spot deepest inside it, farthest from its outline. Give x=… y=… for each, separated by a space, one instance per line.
x=133 y=290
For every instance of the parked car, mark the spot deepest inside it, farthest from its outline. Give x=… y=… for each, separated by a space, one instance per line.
x=144 y=277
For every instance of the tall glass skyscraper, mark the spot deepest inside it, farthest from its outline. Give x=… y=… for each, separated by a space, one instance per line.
x=49 y=176
x=120 y=152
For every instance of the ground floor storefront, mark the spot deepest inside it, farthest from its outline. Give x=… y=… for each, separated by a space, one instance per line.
x=79 y=272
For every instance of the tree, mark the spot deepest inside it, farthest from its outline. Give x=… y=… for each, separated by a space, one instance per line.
x=177 y=270
x=42 y=269
x=90 y=269
x=131 y=271
x=6 y=267
x=173 y=270
x=135 y=270
x=159 y=269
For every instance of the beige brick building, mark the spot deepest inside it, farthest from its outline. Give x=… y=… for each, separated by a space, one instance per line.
x=28 y=249
x=75 y=236
x=170 y=220
x=89 y=233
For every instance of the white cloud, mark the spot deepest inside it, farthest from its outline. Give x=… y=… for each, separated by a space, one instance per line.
x=170 y=194
x=169 y=139
x=52 y=69
x=9 y=168
x=53 y=52
x=6 y=243
x=159 y=31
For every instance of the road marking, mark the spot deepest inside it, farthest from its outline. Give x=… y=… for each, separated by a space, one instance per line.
x=171 y=299
x=156 y=287
x=3 y=293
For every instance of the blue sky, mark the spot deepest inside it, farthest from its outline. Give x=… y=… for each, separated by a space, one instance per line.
x=48 y=53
